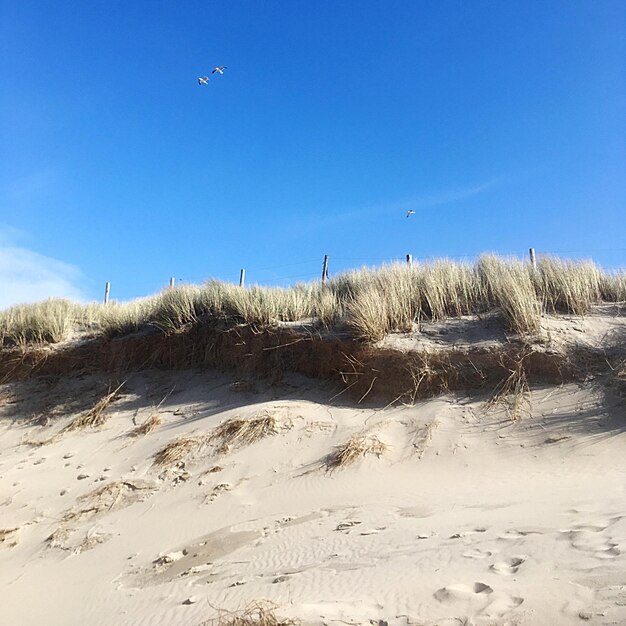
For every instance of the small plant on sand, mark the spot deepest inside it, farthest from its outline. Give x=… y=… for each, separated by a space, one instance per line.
x=152 y=423
x=427 y=376
x=619 y=378
x=255 y=614
x=513 y=393
x=356 y=447
x=8 y=537
x=179 y=449
x=95 y=416
x=237 y=432
x=94 y=504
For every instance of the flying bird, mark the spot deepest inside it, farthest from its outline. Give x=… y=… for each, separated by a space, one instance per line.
x=219 y=69
x=203 y=80
x=410 y=212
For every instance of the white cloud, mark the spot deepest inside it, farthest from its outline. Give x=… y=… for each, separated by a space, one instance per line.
x=27 y=276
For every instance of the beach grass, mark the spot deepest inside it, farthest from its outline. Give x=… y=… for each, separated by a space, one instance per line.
x=369 y=302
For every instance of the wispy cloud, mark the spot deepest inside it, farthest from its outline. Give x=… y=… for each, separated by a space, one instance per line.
x=399 y=207
x=27 y=276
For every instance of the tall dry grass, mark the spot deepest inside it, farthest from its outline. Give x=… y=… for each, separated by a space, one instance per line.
x=507 y=285
x=117 y=319
x=370 y=302
x=50 y=321
x=380 y=301
x=566 y=286
x=613 y=287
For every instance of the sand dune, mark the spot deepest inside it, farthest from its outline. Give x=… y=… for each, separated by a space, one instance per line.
x=460 y=516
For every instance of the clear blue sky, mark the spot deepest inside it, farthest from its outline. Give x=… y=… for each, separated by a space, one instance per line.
x=502 y=124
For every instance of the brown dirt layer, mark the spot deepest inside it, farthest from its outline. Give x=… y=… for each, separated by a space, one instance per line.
x=361 y=368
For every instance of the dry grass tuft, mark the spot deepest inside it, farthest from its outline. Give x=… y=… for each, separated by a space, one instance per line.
x=355 y=448
x=8 y=536
x=513 y=393
x=50 y=321
x=152 y=423
x=508 y=286
x=179 y=449
x=94 y=417
x=237 y=432
x=112 y=496
x=255 y=614
x=619 y=378
x=368 y=315
x=568 y=286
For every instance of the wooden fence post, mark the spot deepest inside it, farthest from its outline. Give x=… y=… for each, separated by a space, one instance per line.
x=172 y=281
x=242 y=277
x=107 y=289
x=409 y=260
x=533 y=260
x=325 y=270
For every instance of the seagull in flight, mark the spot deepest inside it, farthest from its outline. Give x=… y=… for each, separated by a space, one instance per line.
x=219 y=69
x=203 y=80
x=410 y=212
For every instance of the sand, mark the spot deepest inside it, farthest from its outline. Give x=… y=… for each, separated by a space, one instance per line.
x=462 y=517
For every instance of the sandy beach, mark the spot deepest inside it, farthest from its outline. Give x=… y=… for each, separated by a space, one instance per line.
x=449 y=513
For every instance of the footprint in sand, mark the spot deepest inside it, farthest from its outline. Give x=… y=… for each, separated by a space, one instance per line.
x=467 y=533
x=591 y=541
x=346 y=526
x=591 y=528
x=502 y=605
x=477 y=554
x=507 y=567
x=461 y=592
x=521 y=532
x=479 y=597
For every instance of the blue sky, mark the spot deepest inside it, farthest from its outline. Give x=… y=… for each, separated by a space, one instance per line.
x=500 y=123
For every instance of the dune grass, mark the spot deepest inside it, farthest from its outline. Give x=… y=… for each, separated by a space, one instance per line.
x=50 y=321
x=567 y=287
x=151 y=424
x=513 y=393
x=236 y=432
x=95 y=416
x=355 y=448
x=179 y=449
x=369 y=302
x=508 y=286
x=8 y=536
x=255 y=614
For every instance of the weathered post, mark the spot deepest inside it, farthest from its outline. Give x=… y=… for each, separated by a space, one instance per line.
x=533 y=260
x=409 y=260
x=172 y=281
x=325 y=270
x=242 y=277
x=107 y=289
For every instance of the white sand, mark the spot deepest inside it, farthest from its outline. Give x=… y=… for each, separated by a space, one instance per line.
x=467 y=519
